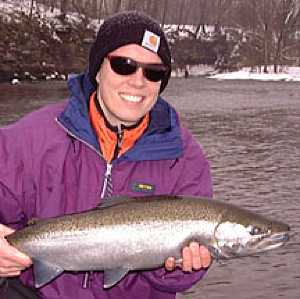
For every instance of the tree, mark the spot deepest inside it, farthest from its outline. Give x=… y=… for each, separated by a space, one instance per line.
x=31 y=9
x=269 y=28
x=165 y=9
x=64 y=8
x=285 y=25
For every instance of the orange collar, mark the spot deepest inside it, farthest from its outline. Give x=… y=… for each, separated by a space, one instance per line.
x=113 y=143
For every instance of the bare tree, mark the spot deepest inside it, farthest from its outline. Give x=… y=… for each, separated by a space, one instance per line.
x=269 y=27
x=31 y=10
x=165 y=9
x=220 y=12
x=104 y=7
x=181 y=12
x=204 y=15
x=154 y=9
x=285 y=25
x=64 y=4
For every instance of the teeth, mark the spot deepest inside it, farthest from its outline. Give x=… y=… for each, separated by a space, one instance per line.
x=131 y=98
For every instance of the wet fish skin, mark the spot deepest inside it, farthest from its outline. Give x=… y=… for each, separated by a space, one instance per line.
x=140 y=233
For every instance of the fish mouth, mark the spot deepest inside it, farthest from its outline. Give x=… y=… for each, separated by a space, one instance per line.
x=256 y=244
x=268 y=242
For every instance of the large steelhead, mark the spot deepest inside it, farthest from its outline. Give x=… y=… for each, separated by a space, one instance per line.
x=140 y=233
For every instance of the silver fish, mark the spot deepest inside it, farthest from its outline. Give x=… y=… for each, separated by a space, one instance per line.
x=128 y=234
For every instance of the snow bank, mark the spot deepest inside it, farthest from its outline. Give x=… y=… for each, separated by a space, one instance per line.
x=289 y=74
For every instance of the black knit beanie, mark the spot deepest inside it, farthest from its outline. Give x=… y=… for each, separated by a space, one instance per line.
x=130 y=27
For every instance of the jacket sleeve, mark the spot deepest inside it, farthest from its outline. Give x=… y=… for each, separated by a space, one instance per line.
x=12 y=170
x=173 y=281
x=191 y=176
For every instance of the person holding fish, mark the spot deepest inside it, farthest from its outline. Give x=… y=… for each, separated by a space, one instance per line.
x=115 y=136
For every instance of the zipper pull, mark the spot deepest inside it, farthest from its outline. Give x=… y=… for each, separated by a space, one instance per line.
x=107 y=185
x=87 y=278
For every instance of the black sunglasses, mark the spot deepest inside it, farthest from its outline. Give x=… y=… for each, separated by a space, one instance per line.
x=127 y=66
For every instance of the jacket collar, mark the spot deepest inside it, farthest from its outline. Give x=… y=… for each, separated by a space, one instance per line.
x=164 y=124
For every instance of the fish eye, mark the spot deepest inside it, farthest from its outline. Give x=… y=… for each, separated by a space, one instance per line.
x=254 y=230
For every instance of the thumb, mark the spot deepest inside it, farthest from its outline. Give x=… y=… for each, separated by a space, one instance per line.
x=5 y=230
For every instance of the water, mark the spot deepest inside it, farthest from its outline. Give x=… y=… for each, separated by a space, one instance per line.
x=250 y=133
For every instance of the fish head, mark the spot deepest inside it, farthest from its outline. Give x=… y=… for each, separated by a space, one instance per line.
x=248 y=234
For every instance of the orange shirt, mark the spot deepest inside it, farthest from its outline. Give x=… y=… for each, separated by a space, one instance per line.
x=113 y=143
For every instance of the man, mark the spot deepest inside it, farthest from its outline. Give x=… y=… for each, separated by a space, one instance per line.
x=114 y=136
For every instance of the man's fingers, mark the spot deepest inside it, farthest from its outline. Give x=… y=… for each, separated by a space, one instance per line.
x=187 y=259
x=170 y=264
x=13 y=257
x=12 y=261
x=196 y=257
x=10 y=273
x=205 y=256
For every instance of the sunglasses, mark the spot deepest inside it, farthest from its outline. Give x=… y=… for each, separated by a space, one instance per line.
x=127 y=66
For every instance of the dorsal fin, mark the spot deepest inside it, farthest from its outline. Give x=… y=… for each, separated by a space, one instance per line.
x=120 y=200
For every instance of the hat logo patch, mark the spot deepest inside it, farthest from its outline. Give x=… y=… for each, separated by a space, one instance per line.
x=151 y=41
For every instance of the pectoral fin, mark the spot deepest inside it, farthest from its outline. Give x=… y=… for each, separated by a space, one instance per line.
x=44 y=272
x=113 y=276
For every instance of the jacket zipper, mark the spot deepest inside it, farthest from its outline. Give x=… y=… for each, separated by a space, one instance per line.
x=107 y=180
x=120 y=134
x=107 y=185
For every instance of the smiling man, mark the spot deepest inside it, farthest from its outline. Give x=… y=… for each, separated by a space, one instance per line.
x=114 y=136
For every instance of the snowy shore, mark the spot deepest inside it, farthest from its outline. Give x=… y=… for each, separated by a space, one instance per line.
x=285 y=74
x=288 y=74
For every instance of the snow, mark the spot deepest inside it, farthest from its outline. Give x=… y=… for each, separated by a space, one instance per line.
x=289 y=74
x=194 y=70
x=10 y=6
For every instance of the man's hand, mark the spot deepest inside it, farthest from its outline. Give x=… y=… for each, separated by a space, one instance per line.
x=194 y=257
x=12 y=261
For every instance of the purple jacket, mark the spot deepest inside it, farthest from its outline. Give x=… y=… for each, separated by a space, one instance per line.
x=50 y=164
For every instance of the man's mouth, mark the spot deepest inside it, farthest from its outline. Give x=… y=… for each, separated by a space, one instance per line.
x=131 y=98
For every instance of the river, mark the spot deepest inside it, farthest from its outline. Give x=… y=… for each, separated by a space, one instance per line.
x=250 y=132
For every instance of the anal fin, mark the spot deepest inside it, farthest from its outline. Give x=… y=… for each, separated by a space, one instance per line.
x=44 y=272
x=113 y=276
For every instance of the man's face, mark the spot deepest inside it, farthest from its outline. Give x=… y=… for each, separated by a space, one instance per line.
x=127 y=98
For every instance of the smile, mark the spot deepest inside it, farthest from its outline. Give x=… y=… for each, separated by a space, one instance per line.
x=131 y=98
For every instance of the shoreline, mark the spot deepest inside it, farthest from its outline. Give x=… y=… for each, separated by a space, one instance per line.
x=288 y=74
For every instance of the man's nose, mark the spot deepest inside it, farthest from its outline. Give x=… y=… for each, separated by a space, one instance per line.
x=138 y=79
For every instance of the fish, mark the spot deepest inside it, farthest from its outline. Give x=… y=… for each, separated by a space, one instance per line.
x=139 y=233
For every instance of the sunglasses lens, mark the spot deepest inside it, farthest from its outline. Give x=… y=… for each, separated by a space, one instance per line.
x=123 y=65
x=154 y=75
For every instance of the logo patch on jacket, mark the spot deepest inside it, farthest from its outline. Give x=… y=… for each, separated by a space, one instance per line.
x=143 y=187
